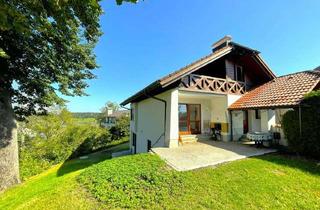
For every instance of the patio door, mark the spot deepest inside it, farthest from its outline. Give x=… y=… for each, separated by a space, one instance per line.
x=189 y=119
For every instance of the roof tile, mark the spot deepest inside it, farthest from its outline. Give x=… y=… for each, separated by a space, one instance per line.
x=283 y=91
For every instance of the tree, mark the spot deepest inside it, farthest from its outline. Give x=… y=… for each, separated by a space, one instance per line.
x=46 y=48
x=121 y=128
x=307 y=142
x=101 y=118
x=110 y=106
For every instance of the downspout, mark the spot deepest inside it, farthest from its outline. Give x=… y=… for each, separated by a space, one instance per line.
x=231 y=125
x=165 y=114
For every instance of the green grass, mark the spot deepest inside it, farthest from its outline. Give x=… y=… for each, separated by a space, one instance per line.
x=56 y=188
x=266 y=182
x=86 y=121
x=145 y=182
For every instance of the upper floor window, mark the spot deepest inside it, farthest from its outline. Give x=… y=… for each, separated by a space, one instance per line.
x=239 y=73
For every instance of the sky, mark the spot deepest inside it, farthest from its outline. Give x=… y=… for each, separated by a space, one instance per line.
x=143 y=42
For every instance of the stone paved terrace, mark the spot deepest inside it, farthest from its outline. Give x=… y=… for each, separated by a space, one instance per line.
x=207 y=153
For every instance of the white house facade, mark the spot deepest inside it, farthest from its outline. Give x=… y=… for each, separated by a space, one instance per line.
x=212 y=94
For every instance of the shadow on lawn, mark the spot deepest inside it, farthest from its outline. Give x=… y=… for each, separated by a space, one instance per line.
x=304 y=164
x=90 y=159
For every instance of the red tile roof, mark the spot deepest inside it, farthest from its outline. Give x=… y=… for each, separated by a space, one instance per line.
x=284 y=91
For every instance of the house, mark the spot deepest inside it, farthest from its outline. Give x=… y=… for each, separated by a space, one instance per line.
x=112 y=116
x=231 y=90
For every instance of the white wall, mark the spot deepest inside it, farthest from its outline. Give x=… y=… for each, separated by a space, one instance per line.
x=172 y=134
x=254 y=124
x=232 y=98
x=148 y=122
x=219 y=111
x=268 y=119
x=237 y=125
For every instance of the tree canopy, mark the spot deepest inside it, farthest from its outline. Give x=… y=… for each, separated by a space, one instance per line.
x=46 y=48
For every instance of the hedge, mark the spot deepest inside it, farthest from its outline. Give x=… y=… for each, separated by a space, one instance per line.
x=308 y=143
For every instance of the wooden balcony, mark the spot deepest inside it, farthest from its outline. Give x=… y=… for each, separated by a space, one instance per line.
x=203 y=83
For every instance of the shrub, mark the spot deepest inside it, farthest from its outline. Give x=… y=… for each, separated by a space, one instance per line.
x=309 y=142
x=48 y=140
x=121 y=128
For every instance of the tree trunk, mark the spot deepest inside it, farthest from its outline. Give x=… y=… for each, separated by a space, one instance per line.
x=9 y=161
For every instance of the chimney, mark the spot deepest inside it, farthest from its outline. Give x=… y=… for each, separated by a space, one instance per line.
x=221 y=43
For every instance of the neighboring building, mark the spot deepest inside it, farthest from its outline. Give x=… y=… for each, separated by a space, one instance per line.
x=112 y=116
x=232 y=90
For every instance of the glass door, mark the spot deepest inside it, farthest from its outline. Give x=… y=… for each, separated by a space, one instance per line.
x=194 y=118
x=189 y=119
x=183 y=119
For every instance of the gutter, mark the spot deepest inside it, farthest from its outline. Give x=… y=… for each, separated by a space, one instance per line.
x=125 y=107
x=150 y=87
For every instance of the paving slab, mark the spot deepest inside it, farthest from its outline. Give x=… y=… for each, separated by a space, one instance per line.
x=207 y=153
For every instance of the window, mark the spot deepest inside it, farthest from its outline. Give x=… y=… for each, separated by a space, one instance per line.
x=239 y=74
x=258 y=114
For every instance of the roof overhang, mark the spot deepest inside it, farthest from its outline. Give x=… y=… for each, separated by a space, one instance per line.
x=288 y=106
x=167 y=81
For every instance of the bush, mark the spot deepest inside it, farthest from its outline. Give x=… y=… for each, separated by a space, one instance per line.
x=48 y=140
x=121 y=128
x=309 y=142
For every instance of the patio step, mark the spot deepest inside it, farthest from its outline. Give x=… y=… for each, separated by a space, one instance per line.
x=204 y=137
x=188 y=138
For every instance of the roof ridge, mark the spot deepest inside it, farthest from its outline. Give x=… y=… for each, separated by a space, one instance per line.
x=299 y=72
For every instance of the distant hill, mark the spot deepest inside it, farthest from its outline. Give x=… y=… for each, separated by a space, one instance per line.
x=86 y=114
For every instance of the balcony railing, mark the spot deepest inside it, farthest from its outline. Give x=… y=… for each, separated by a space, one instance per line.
x=203 y=83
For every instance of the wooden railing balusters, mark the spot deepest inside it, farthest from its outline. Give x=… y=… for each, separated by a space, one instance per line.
x=211 y=84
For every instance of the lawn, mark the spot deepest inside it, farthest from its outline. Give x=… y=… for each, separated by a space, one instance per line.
x=56 y=188
x=144 y=181
x=86 y=121
x=266 y=182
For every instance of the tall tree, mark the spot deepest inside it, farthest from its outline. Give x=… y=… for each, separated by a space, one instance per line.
x=46 y=47
x=110 y=106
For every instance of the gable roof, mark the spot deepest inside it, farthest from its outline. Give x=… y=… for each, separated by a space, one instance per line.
x=285 y=91
x=164 y=82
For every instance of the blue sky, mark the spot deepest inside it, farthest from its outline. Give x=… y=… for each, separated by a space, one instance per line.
x=145 y=41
